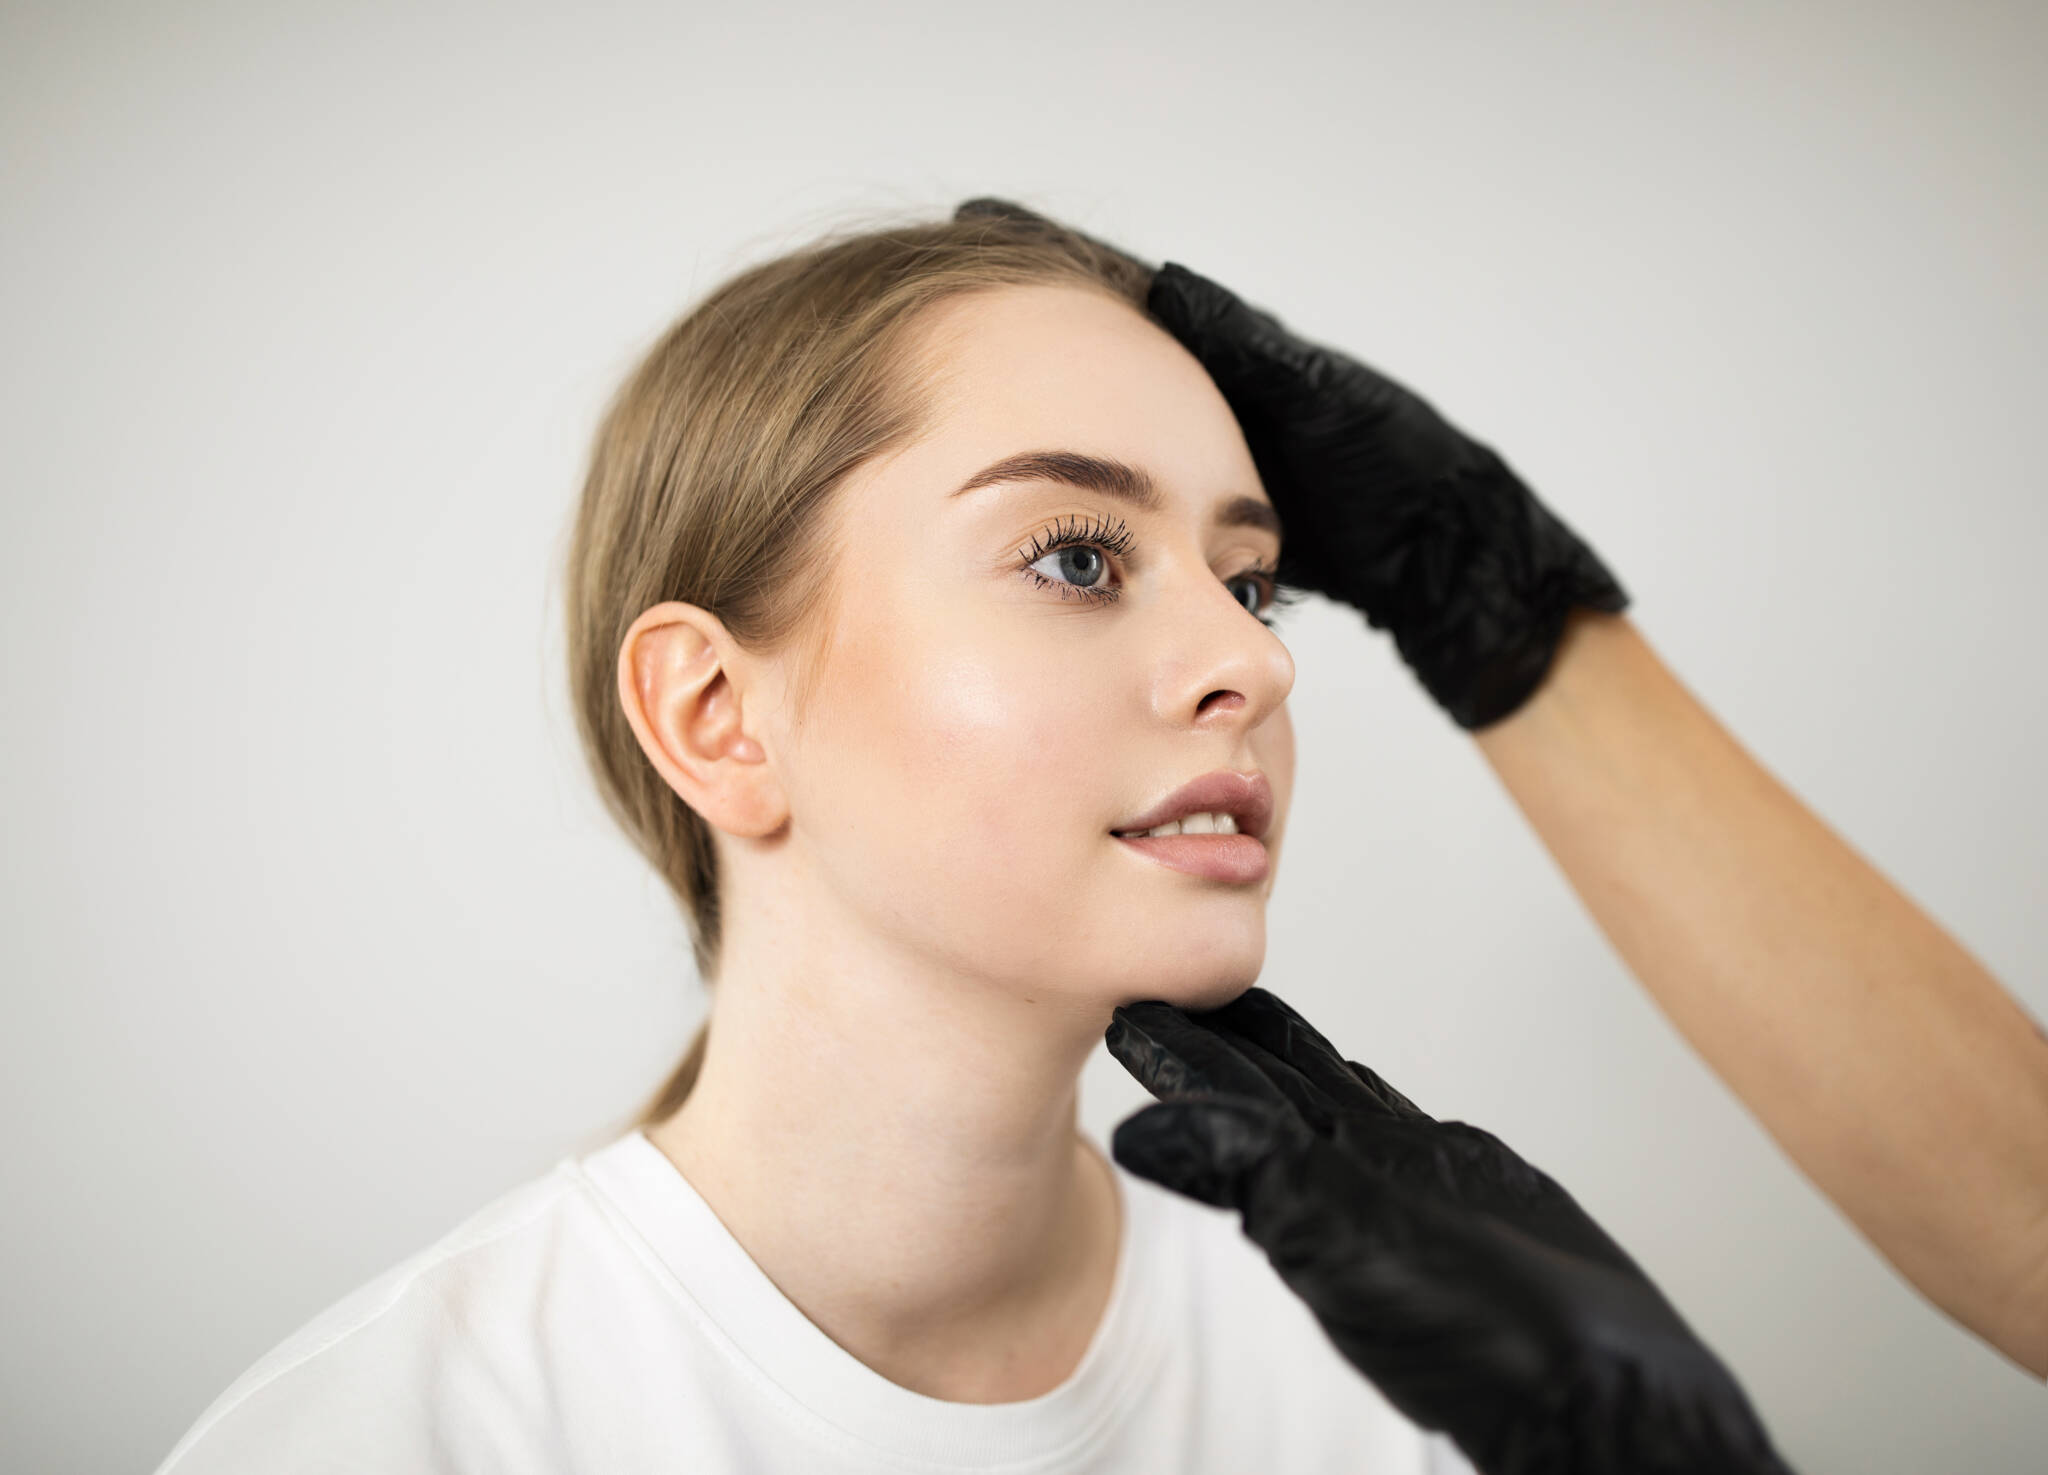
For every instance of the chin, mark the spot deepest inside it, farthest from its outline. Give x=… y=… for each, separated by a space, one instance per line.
x=1209 y=996
x=1224 y=993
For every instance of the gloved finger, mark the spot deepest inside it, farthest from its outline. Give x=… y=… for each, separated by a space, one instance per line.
x=1203 y=1146
x=995 y=207
x=1309 y=1099
x=1172 y=1054
x=1365 y=427
x=1279 y=390
x=1205 y=309
x=1458 y=1163
x=1262 y=1018
x=1379 y=1085
x=1249 y=352
x=1450 y=1160
x=982 y=206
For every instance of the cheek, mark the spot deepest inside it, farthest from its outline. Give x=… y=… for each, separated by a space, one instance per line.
x=998 y=745
x=1274 y=744
x=1273 y=751
x=960 y=794
x=970 y=793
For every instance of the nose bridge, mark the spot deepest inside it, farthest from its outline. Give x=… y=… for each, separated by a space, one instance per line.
x=1223 y=658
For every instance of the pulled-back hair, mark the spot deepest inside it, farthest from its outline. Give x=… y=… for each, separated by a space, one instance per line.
x=716 y=461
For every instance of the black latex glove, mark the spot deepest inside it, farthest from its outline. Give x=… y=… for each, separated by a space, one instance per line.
x=1467 y=1285
x=1391 y=509
x=1386 y=506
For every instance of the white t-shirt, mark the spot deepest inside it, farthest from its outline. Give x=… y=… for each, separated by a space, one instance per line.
x=603 y=1320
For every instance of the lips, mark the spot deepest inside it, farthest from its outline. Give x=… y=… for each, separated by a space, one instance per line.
x=1246 y=797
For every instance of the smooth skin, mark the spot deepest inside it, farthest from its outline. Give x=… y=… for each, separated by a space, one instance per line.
x=928 y=923
x=1896 y=1072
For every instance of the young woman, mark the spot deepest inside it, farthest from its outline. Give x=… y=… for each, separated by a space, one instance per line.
x=910 y=568
x=918 y=572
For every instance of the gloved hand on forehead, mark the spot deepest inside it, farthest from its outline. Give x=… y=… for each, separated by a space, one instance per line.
x=1386 y=505
x=1469 y=1287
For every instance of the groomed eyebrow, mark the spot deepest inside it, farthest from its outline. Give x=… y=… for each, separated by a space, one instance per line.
x=1113 y=478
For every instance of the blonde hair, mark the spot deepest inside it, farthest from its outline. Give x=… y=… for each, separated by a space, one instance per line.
x=716 y=461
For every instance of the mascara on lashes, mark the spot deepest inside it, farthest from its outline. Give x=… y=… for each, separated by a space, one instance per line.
x=1116 y=538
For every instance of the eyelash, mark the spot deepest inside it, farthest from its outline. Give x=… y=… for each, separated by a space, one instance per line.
x=1117 y=540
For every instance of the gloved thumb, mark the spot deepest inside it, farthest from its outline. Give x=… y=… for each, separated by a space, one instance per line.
x=1206 y=1147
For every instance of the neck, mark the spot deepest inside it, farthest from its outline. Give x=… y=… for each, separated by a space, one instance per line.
x=897 y=1150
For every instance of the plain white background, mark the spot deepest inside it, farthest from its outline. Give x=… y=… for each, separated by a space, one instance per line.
x=316 y=937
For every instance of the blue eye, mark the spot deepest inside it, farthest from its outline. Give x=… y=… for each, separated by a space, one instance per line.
x=1079 y=566
x=1077 y=552
x=1066 y=542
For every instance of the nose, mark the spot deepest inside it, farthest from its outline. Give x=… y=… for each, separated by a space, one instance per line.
x=1224 y=658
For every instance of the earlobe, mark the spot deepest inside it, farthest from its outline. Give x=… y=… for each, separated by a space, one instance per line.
x=677 y=688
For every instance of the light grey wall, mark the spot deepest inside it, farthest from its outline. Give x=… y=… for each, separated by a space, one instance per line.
x=315 y=936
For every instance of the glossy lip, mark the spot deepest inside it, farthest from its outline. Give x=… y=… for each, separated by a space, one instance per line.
x=1246 y=797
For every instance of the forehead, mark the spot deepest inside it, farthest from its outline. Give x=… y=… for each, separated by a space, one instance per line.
x=1032 y=367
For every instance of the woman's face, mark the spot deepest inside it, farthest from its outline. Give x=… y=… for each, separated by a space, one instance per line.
x=979 y=729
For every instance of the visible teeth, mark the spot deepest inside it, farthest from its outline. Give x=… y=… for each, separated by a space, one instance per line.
x=1193 y=824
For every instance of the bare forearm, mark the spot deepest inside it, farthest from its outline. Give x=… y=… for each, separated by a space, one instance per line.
x=1899 y=1075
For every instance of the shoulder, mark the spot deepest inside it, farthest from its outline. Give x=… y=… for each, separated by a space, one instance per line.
x=423 y=1346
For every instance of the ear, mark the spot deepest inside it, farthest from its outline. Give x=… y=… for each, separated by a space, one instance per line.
x=677 y=682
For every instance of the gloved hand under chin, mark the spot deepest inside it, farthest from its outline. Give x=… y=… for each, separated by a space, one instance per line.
x=1385 y=505
x=1469 y=1287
